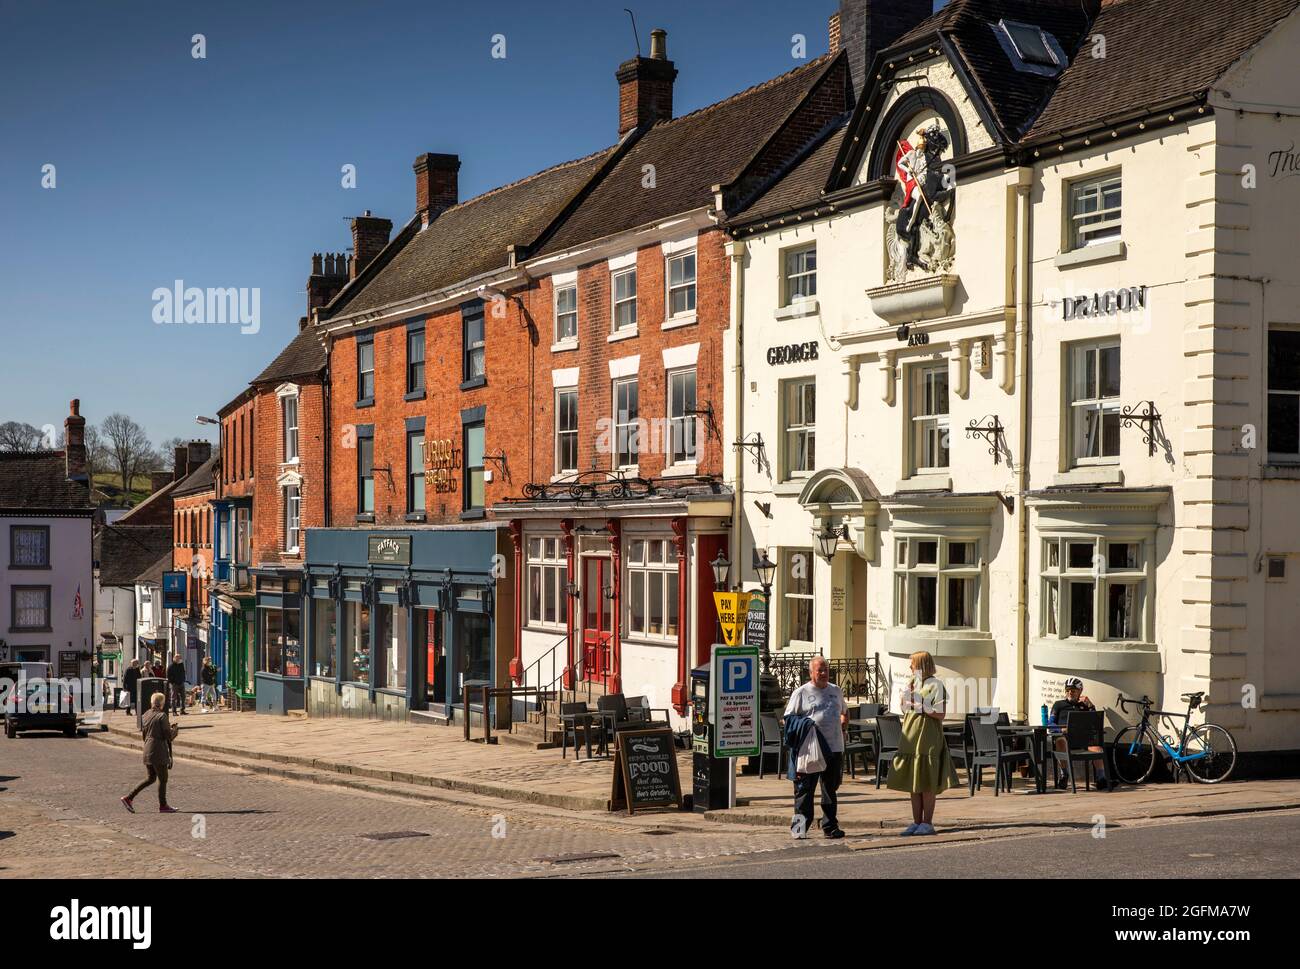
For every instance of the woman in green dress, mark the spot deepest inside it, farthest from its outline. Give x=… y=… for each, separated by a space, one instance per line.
x=922 y=767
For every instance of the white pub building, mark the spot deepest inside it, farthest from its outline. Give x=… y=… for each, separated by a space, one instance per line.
x=1014 y=369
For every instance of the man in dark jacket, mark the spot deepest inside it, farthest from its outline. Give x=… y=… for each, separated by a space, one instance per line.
x=176 y=683
x=130 y=679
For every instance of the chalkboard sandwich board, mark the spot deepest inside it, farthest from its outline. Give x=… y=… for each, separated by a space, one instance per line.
x=645 y=771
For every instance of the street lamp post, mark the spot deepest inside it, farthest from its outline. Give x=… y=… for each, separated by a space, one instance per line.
x=766 y=573
x=721 y=571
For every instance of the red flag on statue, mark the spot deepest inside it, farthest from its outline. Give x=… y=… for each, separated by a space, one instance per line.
x=903 y=171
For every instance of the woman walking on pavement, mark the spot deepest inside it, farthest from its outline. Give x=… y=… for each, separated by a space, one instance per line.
x=922 y=767
x=158 y=733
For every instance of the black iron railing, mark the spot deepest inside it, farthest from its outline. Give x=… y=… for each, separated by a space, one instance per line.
x=858 y=676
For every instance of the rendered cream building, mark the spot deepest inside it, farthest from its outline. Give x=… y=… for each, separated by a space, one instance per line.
x=1090 y=251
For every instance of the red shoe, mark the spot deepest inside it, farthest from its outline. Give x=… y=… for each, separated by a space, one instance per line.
x=126 y=803
x=165 y=809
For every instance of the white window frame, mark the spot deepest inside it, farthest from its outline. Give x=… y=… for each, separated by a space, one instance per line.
x=564 y=284
x=807 y=277
x=560 y=433
x=1103 y=406
x=614 y=302
x=789 y=430
x=292 y=519
x=641 y=571
x=631 y=426
x=1278 y=457
x=928 y=429
x=908 y=571
x=289 y=427
x=685 y=285
x=1058 y=579
x=690 y=458
x=1109 y=227
x=785 y=579
x=243 y=542
x=546 y=558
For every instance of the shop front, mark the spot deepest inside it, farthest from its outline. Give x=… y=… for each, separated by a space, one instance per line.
x=616 y=584
x=397 y=622
x=279 y=677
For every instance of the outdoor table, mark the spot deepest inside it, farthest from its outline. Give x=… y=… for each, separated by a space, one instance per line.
x=1038 y=749
x=589 y=719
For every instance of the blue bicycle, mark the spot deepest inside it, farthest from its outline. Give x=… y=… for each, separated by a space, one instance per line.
x=1208 y=752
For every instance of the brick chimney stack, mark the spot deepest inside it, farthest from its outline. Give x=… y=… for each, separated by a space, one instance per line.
x=369 y=236
x=866 y=27
x=645 y=86
x=437 y=185
x=179 y=458
x=329 y=274
x=74 y=443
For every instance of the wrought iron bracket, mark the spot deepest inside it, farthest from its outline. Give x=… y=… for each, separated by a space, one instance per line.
x=1146 y=420
x=993 y=433
x=500 y=461
x=756 y=447
x=710 y=422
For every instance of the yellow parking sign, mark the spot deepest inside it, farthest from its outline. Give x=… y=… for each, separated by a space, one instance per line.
x=732 y=607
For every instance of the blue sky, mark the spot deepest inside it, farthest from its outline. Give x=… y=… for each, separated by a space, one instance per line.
x=225 y=171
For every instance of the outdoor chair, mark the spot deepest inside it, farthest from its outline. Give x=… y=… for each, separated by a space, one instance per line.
x=639 y=711
x=570 y=713
x=614 y=703
x=991 y=749
x=1083 y=729
x=856 y=743
x=889 y=732
x=958 y=741
x=773 y=742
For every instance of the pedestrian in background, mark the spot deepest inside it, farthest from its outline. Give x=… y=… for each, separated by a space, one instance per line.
x=923 y=767
x=158 y=733
x=176 y=683
x=208 y=679
x=129 y=681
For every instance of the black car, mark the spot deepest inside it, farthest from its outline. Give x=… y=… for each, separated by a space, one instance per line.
x=14 y=709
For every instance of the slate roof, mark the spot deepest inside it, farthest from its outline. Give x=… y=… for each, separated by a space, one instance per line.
x=124 y=551
x=471 y=238
x=199 y=480
x=691 y=154
x=304 y=355
x=37 y=481
x=1157 y=50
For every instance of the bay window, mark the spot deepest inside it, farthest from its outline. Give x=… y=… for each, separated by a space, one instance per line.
x=937 y=582
x=1095 y=588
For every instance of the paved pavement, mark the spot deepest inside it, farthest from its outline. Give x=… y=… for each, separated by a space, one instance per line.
x=436 y=760
x=1203 y=849
x=60 y=817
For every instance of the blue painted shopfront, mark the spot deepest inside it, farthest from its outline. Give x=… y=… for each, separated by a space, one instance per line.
x=403 y=618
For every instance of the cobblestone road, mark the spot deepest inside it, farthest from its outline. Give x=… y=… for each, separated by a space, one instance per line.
x=60 y=817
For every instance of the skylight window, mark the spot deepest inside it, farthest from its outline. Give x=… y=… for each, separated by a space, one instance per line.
x=1031 y=49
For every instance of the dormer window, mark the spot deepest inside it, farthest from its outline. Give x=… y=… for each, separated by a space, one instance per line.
x=1031 y=49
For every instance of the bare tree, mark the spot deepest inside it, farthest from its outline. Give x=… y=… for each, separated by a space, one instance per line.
x=126 y=446
x=16 y=436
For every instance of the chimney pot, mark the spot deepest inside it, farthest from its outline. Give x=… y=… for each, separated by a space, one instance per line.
x=645 y=86
x=74 y=443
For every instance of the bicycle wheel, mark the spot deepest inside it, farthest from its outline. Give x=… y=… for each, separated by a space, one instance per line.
x=1220 y=753
x=1134 y=755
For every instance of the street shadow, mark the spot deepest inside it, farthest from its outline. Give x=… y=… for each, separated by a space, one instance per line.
x=245 y=811
x=6 y=834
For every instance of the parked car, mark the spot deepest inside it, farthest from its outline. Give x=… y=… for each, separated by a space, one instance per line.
x=17 y=715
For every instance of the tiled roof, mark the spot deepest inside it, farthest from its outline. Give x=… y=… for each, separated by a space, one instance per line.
x=153 y=574
x=304 y=355
x=690 y=155
x=804 y=182
x=471 y=238
x=1013 y=97
x=1157 y=50
x=124 y=551
x=201 y=479
x=37 y=480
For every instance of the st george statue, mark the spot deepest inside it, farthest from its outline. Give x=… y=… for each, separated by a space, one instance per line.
x=922 y=233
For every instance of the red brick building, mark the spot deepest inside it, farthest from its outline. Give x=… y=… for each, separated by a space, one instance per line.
x=192 y=534
x=545 y=360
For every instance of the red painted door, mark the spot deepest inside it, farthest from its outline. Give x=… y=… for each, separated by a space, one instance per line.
x=597 y=614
